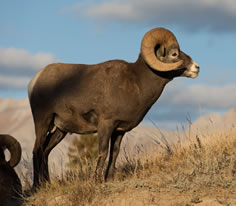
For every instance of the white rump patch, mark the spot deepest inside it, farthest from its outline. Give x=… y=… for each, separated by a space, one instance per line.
x=32 y=83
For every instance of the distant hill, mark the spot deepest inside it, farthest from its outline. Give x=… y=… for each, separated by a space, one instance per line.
x=16 y=120
x=215 y=123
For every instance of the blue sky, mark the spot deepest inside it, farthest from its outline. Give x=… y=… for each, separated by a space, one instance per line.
x=36 y=33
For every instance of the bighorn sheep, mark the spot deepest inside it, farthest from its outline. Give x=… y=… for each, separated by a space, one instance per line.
x=109 y=98
x=10 y=185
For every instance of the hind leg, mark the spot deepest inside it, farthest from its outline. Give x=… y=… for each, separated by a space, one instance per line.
x=45 y=142
x=51 y=141
x=41 y=135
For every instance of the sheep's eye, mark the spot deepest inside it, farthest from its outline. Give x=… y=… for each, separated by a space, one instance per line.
x=175 y=54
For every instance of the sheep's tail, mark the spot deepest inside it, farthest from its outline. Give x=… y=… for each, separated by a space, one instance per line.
x=32 y=83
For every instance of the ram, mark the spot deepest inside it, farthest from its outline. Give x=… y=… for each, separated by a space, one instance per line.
x=109 y=98
x=10 y=185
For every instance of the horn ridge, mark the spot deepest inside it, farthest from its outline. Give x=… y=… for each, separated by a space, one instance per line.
x=153 y=37
x=9 y=142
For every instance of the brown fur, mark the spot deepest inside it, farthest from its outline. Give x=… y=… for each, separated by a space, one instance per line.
x=109 y=98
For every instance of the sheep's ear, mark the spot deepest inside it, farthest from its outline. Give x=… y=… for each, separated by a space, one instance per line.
x=160 y=52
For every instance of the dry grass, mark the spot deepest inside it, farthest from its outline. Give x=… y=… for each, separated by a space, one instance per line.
x=200 y=170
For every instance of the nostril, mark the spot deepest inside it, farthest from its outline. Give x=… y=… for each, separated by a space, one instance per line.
x=197 y=66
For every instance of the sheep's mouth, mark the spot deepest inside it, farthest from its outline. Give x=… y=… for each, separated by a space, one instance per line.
x=195 y=72
x=191 y=73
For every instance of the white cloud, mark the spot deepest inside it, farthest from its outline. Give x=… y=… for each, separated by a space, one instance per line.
x=19 y=58
x=218 y=97
x=113 y=10
x=17 y=66
x=181 y=102
x=14 y=82
x=216 y=15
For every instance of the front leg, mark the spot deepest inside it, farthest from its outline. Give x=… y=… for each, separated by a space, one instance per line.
x=105 y=130
x=114 y=151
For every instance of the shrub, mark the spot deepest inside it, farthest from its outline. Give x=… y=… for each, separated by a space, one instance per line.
x=84 y=148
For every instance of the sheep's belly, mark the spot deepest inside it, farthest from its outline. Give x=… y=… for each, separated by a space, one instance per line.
x=79 y=125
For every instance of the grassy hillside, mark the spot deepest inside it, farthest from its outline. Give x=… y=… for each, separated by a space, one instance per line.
x=198 y=171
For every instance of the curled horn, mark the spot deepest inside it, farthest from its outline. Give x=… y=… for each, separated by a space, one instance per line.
x=7 y=141
x=158 y=36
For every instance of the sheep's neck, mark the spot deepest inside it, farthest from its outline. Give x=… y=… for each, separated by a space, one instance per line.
x=151 y=82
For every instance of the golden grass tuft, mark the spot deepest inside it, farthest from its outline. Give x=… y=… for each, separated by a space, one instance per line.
x=201 y=169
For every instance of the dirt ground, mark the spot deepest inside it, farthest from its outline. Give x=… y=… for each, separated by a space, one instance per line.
x=169 y=197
